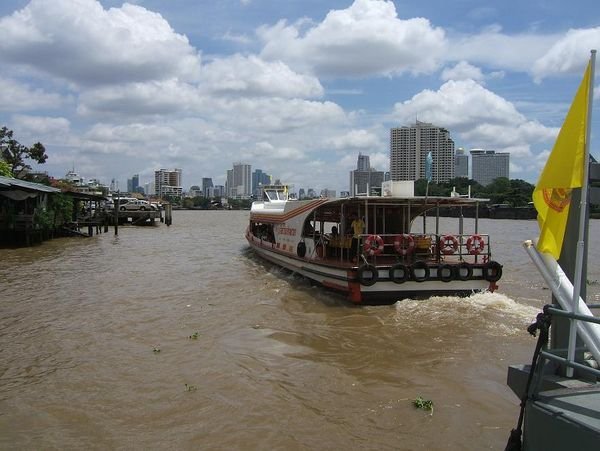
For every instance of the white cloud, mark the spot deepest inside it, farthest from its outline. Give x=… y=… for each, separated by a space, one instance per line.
x=79 y=41
x=356 y=140
x=458 y=105
x=139 y=99
x=494 y=49
x=15 y=96
x=249 y=75
x=569 y=54
x=462 y=71
x=47 y=130
x=477 y=117
x=237 y=38
x=367 y=38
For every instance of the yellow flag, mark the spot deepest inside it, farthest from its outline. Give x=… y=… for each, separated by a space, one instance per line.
x=562 y=173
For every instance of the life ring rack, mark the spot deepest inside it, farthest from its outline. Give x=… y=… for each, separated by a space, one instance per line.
x=475 y=244
x=448 y=244
x=404 y=244
x=373 y=245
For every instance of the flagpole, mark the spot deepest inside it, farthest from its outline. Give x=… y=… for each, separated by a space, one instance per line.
x=582 y=220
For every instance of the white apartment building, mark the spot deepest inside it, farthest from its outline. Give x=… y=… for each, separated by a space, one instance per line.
x=239 y=181
x=167 y=182
x=409 y=147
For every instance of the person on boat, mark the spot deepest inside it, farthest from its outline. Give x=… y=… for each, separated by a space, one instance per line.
x=358 y=227
x=333 y=240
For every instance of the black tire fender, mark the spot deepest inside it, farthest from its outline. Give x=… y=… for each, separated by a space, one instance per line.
x=405 y=273
x=420 y=265
x=449 y=269
x=464 y=266
x=363 y=278
x=492 y=271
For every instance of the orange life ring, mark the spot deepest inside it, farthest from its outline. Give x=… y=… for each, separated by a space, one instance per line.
x=404 y=244
x=373 y=245
x=475 y=244
x=448 y=244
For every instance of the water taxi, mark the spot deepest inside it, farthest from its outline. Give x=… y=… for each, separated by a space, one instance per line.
x=363 y=246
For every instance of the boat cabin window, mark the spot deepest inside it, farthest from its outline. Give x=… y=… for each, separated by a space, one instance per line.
x=263 y=231
x=274 y=194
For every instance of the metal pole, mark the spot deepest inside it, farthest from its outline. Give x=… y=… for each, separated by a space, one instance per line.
x=562 y=288
x=582 y=217
x=117 y=215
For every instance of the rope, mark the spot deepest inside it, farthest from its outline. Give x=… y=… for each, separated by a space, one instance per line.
x=542 y=323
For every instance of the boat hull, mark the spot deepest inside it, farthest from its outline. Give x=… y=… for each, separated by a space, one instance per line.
x=345 y=280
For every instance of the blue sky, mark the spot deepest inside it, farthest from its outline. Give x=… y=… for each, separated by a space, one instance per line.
x=296 y=88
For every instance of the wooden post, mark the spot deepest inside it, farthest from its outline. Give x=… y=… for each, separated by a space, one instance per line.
x=117 y=215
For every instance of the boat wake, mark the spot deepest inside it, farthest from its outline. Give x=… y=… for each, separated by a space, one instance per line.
x=496 y=312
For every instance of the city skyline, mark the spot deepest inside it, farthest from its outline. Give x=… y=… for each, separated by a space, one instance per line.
x=126 y=88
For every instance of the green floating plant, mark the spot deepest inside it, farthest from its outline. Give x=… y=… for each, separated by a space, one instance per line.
x=425 y=404
x=190 y=387
x=194 y=336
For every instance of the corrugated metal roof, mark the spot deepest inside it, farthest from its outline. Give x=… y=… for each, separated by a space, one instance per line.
x=11 y=183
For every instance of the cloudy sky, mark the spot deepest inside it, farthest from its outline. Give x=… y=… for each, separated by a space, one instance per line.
x=296 y=88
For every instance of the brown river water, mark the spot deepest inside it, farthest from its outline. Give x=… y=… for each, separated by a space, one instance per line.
x=277 y=364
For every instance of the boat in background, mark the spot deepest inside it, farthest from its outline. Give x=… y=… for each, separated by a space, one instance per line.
x=386 y=262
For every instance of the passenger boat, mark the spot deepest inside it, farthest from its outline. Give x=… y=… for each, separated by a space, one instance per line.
x=386 y=262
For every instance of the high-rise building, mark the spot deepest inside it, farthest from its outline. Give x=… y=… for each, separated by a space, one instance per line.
x=301 y=194
x=135 y=183
x=207 y=184
x=461 y=163
x=409 y=147
x=364 y=178
x=217 y=191
x=363 y=163
x=487 y=165
x=195 y=191
x=167 y=182
x=239 y=181
x=328 y=193
x=259 y=178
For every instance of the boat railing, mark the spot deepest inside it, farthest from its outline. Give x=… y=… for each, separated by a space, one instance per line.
x=556 y=354
x=470 y=248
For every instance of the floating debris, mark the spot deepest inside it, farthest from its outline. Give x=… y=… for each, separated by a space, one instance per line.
x=425 y=404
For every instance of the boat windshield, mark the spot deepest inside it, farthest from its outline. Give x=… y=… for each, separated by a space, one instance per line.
x=275 y=194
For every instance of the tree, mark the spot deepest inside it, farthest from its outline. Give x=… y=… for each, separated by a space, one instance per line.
x=5 y=169
x=15 y=154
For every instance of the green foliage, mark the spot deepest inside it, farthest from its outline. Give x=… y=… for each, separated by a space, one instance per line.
x=240 y=204
x=194 y=336
x=43 y=219
x=5 y=169
x=425 y=404
x=15 y=154
x=173 y=200
x=62 y=207
x=516 y=193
